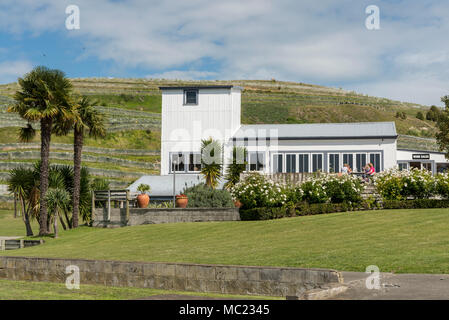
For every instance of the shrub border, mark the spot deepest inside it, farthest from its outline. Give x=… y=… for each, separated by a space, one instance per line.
x=305 y=209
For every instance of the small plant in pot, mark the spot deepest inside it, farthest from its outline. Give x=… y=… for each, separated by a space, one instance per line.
x=143 y=199
x=181 y=201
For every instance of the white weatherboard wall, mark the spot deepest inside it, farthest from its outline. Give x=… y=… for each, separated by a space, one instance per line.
x=216 y=115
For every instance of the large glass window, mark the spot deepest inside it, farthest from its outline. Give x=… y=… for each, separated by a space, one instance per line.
x=317 y=162
x=256 y=161
x=303 y=163
x=178 y=161
x=277 y=163
x=290 y=163
x=334 y=162
x=374 y=158
x=360 y=161
x=195 y=162
x=348 y=159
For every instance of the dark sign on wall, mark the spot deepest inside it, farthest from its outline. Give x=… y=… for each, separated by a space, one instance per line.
x=421 y=156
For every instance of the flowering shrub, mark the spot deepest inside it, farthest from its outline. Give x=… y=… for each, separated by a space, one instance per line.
x=344 y=188
x=332 y=188
x=394 y=184
x=313 y=191
x=255 y=191
x=442 y=185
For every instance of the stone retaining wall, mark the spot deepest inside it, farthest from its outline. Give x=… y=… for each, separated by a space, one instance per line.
x=269 y=281
x=162 y=215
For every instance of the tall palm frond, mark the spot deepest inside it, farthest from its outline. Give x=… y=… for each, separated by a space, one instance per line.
x=211 y=161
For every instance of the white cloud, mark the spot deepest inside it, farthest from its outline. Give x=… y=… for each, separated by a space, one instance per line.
x=323 y=42
x=11 y=70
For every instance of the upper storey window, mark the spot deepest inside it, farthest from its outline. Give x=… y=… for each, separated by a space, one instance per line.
x=190 y=97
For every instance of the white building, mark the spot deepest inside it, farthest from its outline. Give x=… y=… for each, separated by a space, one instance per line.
x=190 y=114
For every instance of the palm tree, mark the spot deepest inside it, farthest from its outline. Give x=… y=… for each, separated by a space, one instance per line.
x=57 y=200
x=94 y=121
x=236 y=166
x=211 y=161
x=44 y=96
x=20 y=182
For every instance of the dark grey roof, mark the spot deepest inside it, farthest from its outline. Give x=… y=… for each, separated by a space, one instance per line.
x=198 y=87
x=162 y=186
x=319 y=131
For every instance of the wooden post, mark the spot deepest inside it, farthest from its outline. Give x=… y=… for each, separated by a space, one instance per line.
x=127 y=205
x=22 y=245
x=2 y=245
x=93 y=205
x=109 y=205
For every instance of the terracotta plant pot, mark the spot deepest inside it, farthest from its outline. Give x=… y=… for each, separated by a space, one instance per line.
x=143 y=200
x=181 y=201
x=237 y=204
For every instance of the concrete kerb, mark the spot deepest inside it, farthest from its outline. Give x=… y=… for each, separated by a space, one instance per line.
x=227 y=279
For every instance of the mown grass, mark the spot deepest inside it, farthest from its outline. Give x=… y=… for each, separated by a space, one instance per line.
x=412 y=241
x=27 y=290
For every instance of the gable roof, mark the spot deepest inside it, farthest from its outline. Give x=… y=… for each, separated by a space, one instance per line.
x=318 y=131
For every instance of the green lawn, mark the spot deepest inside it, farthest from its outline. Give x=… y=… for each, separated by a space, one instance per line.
x=395 y=240
x=25 y=290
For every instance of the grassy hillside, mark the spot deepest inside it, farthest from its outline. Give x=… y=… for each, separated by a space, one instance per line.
x=133 y=108
x=402 y=241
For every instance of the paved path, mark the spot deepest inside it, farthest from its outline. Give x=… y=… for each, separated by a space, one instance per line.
x=396 y=287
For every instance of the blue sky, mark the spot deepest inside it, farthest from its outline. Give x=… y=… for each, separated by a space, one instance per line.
x=321 y=42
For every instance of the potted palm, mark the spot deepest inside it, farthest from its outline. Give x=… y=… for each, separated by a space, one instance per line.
x=181 y=201
x=143 y=199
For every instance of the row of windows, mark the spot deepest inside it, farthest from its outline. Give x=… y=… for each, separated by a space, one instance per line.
x=185 y=162
x=191 y=162
x=313 y=162
x=286 y=162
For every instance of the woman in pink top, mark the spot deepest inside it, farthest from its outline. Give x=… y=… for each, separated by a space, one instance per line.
x=371 y=169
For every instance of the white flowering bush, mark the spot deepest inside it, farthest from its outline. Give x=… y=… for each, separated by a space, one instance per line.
x=442 y=185
x=394 y=184
x=255 y=191
x=332 y=188
x=313 y=191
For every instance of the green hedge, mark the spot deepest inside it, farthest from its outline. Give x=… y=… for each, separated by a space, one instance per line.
x=305 y=209
x=266 y=213
x=415 y=204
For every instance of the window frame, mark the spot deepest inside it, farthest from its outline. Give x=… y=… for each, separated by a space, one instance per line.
x=185 y=162
x=380 y=160
x=322 y=161
x=189 y=163
x=329 y=162
x=248 y=167
x=185 y=97
x=295 y=163
x=282 y=162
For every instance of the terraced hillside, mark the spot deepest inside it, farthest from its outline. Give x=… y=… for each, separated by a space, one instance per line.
x=133 y=108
